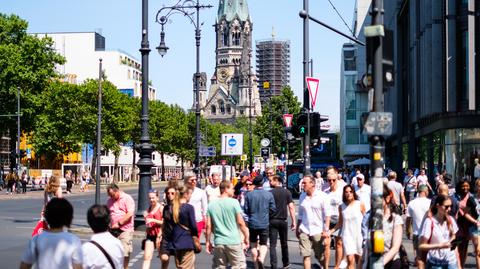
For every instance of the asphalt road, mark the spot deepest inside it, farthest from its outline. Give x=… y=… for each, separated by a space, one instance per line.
x=19 y=214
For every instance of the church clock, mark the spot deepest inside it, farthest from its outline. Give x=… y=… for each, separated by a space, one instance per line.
x=223 y=75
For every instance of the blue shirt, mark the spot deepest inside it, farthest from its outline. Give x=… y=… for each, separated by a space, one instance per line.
x=181 y=237
x=259 y=203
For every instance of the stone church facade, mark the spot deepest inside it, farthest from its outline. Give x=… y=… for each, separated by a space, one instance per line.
x=229 y=94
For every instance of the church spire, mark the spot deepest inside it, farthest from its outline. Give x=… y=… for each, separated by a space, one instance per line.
x=228 y=9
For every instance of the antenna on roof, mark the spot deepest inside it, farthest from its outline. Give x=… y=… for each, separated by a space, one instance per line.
x=273 y=32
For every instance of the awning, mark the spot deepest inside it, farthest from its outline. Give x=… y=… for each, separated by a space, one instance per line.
x=361 y=161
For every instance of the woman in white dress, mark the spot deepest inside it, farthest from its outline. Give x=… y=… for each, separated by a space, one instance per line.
x=350 y=225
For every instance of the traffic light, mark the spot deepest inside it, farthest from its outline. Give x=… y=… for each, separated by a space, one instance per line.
x=283 y=149
x=301 y=125
x=316 y=129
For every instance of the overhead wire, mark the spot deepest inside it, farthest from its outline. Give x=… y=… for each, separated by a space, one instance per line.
x=344 y=22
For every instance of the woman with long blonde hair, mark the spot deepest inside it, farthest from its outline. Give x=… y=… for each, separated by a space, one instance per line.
x=184 y=228
x=52 y=190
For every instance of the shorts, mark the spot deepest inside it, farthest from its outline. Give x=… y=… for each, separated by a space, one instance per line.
x=223 y=255
x=164 y=249
x=200 y=227
x=315 y=242
x=337 y=232
x=259 y=235
x=126 y=238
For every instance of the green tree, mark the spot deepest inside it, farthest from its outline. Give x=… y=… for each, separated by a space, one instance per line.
x=286 y=102
x=26 y=63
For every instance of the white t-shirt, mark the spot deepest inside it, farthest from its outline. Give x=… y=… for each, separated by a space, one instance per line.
x=312 y=212
x=93 y=258
x=410 y=183
x=212 y=192
x=440 y=235
x=422 y=180
x=397 y=190
x=54 y=250
x=199 y=202
x=416 y=210
x=334 y=200
x=364 y=195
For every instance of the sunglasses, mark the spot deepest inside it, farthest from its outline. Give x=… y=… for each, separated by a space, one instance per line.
x=249 y=184
x=447 y=206
x=170 y=193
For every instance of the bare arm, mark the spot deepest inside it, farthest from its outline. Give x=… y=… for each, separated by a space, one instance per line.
x=291 y=209
x=339 y=223
x=243 y=229
x=404 y=201
x=208 y=233
x=396 y=242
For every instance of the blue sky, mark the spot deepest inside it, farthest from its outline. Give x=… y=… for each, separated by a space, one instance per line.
x=120 y=22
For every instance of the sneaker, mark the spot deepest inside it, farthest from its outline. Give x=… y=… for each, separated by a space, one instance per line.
x=316 y=266
x=343 y=264
x=286 y=267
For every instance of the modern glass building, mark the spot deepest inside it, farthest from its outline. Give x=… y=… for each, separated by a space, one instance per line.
x=435 y=100
x=354 y=100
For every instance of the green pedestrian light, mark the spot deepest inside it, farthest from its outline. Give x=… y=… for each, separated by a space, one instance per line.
x=303 y=130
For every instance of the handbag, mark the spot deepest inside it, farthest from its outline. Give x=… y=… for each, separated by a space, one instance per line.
x=115 y=232
x=403 y=257
x=197 y=247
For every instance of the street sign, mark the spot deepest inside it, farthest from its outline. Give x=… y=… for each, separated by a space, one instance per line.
x=265 y=152
x=287 y=120
x=265 y=142
x=244 y=157
x=312 y=84
x=377 y=123
x=29 y=153
x=232 y=144
x=207 y=151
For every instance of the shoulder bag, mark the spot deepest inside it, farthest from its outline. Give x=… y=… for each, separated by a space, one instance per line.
x=104 y=253
x=197 y=247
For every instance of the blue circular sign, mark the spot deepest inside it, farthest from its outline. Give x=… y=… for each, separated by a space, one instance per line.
x=232 y=142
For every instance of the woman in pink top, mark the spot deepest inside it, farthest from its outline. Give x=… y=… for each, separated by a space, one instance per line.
x=153 y=221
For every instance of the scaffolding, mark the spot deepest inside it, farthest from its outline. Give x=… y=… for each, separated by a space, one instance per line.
x=273 y=65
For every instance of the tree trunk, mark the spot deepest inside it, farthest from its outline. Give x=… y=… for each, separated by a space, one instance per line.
x=116 y=174
x=134 y=171
x=93 y=169
x=163 y=166
x=183 y=168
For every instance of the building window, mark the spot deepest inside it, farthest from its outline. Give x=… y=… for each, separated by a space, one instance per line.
x=242 y=112
x=349 y=60
x=352 y=136
x=213 y=110
x=225 y=39
x=221 y=104
x=236 y=38
x=229 y=109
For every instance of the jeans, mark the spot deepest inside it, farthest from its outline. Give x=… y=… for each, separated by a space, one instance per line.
x=278 y=227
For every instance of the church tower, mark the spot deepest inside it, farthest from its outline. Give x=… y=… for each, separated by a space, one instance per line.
x=233 y=78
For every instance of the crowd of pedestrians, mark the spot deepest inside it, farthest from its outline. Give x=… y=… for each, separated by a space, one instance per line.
x=245 y=221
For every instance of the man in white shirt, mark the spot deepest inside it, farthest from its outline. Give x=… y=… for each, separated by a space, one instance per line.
x=334 y=198
x=198 y=200
x=98 y=218
x=313 y=224
x=213 y=190
x=416 y=211
x=422 y=179
x=319 y=181
x=363 y=191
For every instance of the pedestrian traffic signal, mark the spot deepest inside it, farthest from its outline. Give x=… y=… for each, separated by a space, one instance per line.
x=301 y=125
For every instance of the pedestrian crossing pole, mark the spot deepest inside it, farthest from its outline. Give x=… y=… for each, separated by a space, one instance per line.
x=377 y=142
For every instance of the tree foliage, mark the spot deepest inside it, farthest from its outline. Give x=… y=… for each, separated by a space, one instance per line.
x=271 y=121
x=26 y=63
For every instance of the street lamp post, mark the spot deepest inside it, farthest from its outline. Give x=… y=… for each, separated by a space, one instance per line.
x=250 y=142
x=184 y=8
x=145 y=148
x=99 y=134
x=306 y=97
